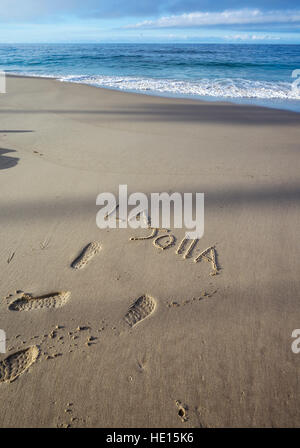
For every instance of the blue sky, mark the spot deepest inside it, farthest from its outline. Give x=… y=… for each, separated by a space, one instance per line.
x=248 y=21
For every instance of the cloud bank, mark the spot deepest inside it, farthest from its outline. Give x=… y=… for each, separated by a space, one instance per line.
x=228 y=17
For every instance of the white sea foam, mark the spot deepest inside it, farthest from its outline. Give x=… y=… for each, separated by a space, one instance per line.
x=235 y=88
x=221 y=88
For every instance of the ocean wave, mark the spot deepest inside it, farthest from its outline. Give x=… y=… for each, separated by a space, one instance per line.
x=220 y=88
x=235 y=88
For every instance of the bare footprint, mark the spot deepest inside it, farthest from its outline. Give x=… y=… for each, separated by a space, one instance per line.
x=28 y=303
x=86 y=255
x=139 y=310
x=16 y=364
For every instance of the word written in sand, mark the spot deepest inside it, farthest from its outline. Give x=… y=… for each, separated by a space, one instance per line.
x=185 y=247
x=208 y=254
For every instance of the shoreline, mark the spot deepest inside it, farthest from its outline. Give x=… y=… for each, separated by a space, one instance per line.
x=159 y=95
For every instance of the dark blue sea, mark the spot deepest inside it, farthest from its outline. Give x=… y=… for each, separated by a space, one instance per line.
x=256 y=74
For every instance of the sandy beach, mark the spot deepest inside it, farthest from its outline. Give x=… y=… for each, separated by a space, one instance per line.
x=205 y=350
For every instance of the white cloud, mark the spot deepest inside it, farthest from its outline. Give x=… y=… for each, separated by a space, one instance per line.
x=249 y=37
x=229 y=17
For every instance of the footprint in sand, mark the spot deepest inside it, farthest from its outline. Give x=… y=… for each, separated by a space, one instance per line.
x=182 y=411
x=86 y=255
x=16 y=364
x=28 y=303
x=142 y=308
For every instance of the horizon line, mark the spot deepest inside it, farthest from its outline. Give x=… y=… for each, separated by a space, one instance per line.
x=151 y=43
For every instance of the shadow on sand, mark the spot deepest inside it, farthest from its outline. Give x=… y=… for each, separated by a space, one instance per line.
x=7 y=161
x=10 y=131
x=51 y=209
x=197 y=112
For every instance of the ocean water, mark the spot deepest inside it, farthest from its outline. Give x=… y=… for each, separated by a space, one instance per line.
x=252 y=74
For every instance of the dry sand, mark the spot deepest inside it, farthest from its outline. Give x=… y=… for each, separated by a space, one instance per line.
x=131 y=335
